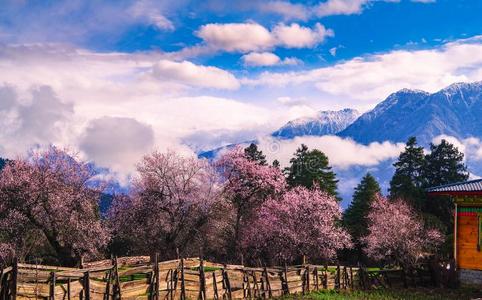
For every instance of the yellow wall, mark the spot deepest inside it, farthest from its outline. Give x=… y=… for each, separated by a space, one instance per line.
x=468 y=255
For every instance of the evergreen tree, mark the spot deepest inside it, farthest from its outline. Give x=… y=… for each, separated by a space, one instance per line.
x=276 y=163
x=252 y=153
x=407 y=181
x=355 y=216
x=444 y=165
x=310 y=168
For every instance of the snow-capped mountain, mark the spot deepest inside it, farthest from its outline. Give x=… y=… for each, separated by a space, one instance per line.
x=455 y=110
x=324 y=123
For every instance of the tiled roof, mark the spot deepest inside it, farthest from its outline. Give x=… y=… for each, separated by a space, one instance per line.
x=467 y=186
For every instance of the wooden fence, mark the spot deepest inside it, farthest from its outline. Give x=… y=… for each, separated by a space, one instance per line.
x=190 y=278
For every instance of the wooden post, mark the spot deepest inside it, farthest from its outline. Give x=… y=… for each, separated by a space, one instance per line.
x=202 y=281
x=87 y=285
x=325 y=278
x=307 y=277
x=156 y=276
x=315 y=273
x=183 y=284
x=215 y=287
x=52 y=286
x=227 y=284
x=337 y=278
x=68 y=290
x=351 y=278
x=117 y=288
x=14 y=279
x=268 y=284
x=287 y=288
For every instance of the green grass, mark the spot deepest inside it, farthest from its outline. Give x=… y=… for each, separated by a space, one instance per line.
x=392 y=294
x=207 y=269
x=136 y=276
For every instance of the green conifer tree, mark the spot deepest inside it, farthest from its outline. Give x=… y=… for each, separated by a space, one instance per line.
x=407 y=181
x=355 y=216
x=310 y=168
x=252 y=153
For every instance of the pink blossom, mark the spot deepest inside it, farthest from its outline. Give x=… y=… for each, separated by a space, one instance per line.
x=397 y=234
x=300 y=222
x=48 y=196
x=169 y=206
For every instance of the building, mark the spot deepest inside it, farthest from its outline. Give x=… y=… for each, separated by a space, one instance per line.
x=467 y=227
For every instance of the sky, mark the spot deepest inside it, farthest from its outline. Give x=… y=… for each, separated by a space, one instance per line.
x=114 y=80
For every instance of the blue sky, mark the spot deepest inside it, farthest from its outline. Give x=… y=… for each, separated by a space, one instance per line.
x=116 y=79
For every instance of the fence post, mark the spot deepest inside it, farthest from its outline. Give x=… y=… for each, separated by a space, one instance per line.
x=226 y=282
x=183 y=284
x=14 y=278
x=287 y=288
x=202 y=281
x=156 y=276
x=52 y=286
x=87 y=285
x=307 y=272
x=337 y=278
x=68 y=290
x=117 y=290
x=268 y=284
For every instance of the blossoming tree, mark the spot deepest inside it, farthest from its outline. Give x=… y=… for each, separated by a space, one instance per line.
x=397 y=234
x=300 y=222
x=170 y=205
x=48 y=198
x=247 y=184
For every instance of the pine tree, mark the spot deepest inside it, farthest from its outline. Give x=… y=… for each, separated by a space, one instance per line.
x=444 y=165
x=252 y=153
x=355 y=216
x=310 y=168
x=407 y=181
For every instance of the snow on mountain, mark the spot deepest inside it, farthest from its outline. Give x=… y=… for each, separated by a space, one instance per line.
x=324 y=123
x=454 y=110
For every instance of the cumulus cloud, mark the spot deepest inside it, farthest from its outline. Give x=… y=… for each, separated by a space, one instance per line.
x=38 y=117
x=186 y=72
x=374 y=77
x=116 y=142
x=342 y=153
x=471 y=146
x=296 y=36
x=246 y=37
x=261 y=59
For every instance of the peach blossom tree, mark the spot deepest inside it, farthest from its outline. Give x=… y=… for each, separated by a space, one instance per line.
x=302 y=222
x=50 y=197
x=397 y=235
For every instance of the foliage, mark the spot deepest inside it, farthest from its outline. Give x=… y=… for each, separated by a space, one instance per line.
x=47 y=198
x=397 y=235
x=355 y=216
x=310 y=168
x=444 y=165
x=252 y=153
x=169 y=207
x=407 y=182
x=246 y=186
x=301 y=222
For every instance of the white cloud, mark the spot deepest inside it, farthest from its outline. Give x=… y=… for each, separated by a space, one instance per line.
x=339 y=7
x=374 y=77
x=247 y=37
x=147 y=9
x=241 y=37
x=188 y=73
x=286 y=9
x=261 y=59
x=342 y=153
x=296 y=36
x=117 y=142
x=82 y=86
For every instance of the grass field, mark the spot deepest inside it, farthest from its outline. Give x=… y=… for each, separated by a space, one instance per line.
x=389 y=294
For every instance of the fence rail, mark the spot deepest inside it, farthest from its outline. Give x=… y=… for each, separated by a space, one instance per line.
x=191 y=278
